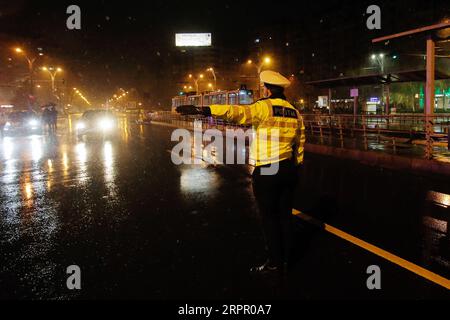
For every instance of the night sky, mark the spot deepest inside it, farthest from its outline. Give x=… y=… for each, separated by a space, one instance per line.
x=121 y=42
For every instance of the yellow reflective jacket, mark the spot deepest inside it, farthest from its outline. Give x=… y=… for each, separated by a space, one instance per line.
x=279 y=131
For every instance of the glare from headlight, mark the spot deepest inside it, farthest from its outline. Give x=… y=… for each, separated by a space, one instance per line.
x=81 y=126
x=8 y=124
x=106 y=124
x=33 y=123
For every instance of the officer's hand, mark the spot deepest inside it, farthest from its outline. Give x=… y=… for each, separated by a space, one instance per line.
x=189 y=110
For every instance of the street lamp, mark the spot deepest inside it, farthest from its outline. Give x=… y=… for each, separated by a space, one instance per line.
x=214 y=76
x=52 y=72
x=196 y=81
x=31 y=62
x=264 y=62
x=267 y=60
x=379 y=59
x=81 y=96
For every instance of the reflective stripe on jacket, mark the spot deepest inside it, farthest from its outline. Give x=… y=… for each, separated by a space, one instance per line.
x=279 y=131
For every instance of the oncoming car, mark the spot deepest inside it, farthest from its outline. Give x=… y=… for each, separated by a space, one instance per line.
x=98 y=123
x=23 y=123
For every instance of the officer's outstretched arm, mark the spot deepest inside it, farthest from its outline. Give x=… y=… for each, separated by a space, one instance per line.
x=245 y=115
x=193 y=110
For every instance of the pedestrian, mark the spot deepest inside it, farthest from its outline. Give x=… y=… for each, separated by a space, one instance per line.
x=272 y=115
x=46 y=118
x=3 y=121
x=53 y=118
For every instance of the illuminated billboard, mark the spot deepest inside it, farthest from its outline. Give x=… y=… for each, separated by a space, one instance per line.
x=193 y=39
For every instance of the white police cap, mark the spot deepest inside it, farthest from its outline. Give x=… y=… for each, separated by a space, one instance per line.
x=274 y=78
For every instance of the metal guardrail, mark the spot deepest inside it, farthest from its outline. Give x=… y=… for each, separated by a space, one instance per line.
x=393 y=131
x=395 y=123
x=389 y=129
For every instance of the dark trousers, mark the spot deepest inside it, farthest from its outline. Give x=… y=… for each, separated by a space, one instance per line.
x=274 y=196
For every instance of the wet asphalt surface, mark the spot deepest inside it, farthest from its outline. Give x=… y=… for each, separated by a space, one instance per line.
x=140 y=227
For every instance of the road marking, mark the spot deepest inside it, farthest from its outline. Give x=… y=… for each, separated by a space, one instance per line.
x=424 y=273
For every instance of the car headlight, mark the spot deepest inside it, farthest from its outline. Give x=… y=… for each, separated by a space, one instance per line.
x=81 y=126
x=33 y=123
x=106 y=124
x=8 y=124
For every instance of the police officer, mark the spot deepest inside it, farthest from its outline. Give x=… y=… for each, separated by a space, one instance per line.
x=276 y=152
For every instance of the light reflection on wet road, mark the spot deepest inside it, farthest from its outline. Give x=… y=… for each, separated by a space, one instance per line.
x=138 y=226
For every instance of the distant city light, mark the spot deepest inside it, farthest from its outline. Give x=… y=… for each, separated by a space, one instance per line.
x=193 y=39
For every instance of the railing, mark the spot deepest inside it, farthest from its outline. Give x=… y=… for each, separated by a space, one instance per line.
x=394 y=123
x=390 y=133
x=188 y=121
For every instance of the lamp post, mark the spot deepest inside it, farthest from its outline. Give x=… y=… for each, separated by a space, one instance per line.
x=196 y=81
x=31 y=61
x=52 y=72
x=379 y=59
x=214 y=76
x=264 y=62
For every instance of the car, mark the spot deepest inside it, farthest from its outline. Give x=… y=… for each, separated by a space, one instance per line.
x=98 y=123
x=23 y=122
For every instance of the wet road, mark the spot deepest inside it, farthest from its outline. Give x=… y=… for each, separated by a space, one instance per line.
x=140 y=227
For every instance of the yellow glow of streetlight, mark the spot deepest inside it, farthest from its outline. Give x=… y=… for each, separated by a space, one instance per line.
x=44 y=68
x=267 y=60
x=59 y=70
x=18 y=50
x=190 y=76
x=210 y=85
x=249 y=61
x=202 y=76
